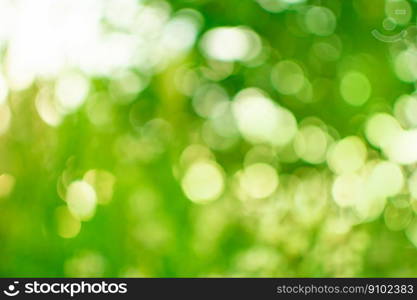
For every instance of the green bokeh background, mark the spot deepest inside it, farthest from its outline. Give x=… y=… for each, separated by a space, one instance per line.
x=150 y=228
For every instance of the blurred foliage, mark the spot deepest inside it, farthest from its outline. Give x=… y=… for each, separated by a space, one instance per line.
x=194 y=138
